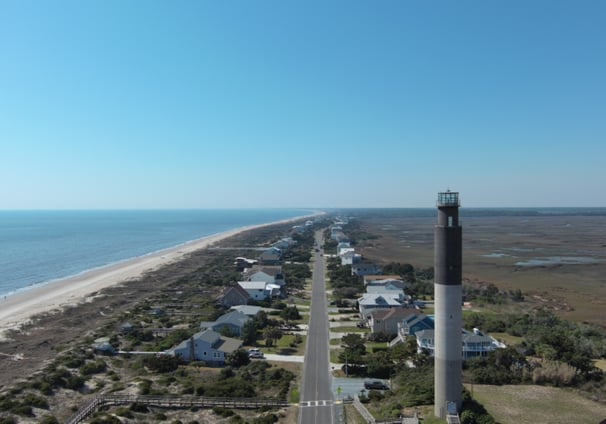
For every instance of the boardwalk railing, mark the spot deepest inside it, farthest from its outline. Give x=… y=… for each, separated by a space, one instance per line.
x=173 y=401
x=363 y=411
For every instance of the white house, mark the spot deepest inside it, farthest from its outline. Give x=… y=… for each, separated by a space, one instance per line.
x=343 y=245
x=350 y=257
x=387 y=289
x=208 y=346
x=242 y=263
x=261 y=290
x=269 y=274
x=257 y=290
x=475 y=343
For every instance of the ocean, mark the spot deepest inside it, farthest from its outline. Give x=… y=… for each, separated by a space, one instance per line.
x=37 y=247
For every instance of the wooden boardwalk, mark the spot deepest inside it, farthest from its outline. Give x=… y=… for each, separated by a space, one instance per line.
x=173 y=402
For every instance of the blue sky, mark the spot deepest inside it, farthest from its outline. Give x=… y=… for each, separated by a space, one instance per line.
x=212 y=104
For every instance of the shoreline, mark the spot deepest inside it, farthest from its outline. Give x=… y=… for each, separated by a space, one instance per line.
x=20 y=307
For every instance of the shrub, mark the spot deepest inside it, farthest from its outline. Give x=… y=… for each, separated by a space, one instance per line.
x=124 y=412
x=91 y=368
x=24 y=410
x=137 y=407
x=161 y=363
x=223 y=412
x=554 y=372
x=75 y=382
x=73 y=361
x=49 y=419
x=35 y=401
x=106 y=419
x=234 y=387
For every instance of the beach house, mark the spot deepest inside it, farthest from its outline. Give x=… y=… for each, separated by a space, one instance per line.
x=271 y=256
x=387 y=320
x=234 y=296
x=475 y=343
x=371 y=301
x=208 y=346
x=232 y=322
x=365 y=269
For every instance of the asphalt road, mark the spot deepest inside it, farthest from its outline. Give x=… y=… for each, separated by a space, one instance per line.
x=316 y=406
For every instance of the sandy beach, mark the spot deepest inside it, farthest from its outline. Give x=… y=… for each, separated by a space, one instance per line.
x=19 y=308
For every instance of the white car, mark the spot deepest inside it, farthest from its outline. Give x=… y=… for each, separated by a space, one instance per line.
x=255 y=353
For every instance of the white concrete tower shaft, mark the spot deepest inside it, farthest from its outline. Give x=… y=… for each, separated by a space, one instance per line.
x=448 y=257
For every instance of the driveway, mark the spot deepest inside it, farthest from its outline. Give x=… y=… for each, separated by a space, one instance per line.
x=284 y=358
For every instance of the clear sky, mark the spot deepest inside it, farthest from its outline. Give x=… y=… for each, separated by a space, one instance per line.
x=211 y=104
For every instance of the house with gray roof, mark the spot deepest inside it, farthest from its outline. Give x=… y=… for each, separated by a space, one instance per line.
x=232 y=321
x=370 y=302
x=234 y=296
x=284 y=243
x=208 y=346
x=365 y=269
x=271 y=256
x=269 y=274
x=388 y=283
x=411 y=325
x=251 y=310
x=386 y=320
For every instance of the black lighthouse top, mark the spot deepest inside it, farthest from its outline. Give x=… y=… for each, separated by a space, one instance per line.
x=448 y=199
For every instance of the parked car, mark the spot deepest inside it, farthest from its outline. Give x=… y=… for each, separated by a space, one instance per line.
x=375 y=385
x=255 y=353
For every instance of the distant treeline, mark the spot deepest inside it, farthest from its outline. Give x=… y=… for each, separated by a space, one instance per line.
x=471 y=212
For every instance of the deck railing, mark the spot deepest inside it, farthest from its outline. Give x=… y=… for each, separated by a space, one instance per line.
x=173 y=401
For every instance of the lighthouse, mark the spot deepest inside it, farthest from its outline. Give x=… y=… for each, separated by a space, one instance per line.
x=448 y=255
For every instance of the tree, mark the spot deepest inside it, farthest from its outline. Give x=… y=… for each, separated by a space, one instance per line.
x=353 y=349
x=271 y=334
x=261 y=320
x=353 y=343
x=379 y=365
x=290 y=313
x=238 y=358
x=249 y=332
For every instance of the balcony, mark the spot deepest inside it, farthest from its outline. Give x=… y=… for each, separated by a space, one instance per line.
x=448 y=198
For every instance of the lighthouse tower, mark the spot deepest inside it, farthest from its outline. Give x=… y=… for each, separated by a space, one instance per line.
x=448 y=300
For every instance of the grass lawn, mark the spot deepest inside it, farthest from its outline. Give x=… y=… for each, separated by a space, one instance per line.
x=529 y=404
x=283 y=346
x=334 y=355
x=508 y=339
x=370 y=346
x=349 y=329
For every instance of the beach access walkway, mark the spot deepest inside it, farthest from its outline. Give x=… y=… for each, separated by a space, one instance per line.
x=173 y=402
